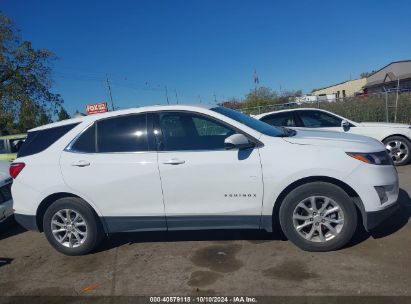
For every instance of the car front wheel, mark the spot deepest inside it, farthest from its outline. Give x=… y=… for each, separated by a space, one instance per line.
x=72 y=227
x=318 y=216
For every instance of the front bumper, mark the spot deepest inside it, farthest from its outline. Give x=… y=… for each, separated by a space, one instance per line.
x=364 y=180
x=374 y=218
x=375 y=208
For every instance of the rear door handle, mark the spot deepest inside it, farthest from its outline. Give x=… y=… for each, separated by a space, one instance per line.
x=174 y=161
x=81 y=163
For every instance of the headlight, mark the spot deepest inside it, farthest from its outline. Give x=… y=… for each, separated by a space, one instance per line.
x=378 y=158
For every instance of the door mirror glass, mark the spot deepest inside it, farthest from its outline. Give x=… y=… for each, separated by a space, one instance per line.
x=237 y=141
x=345 y=125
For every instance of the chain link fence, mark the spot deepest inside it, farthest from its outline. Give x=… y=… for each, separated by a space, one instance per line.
x=382 y=107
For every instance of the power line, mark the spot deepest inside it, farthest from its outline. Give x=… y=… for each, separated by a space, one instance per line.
x=93 y=76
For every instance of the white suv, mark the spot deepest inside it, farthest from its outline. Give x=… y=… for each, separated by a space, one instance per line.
x=186 y=167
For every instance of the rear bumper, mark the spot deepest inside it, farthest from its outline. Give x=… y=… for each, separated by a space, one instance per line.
x=374 y=218
x=28 y=222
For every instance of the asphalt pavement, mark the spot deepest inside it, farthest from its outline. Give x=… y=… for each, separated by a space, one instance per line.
x=213 y=263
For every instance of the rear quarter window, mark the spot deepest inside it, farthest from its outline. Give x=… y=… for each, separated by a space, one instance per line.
x=38 y=141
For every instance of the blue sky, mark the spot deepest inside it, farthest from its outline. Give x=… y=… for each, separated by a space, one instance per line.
x=201 y=48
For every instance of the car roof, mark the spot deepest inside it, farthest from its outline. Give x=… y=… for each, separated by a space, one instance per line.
x=289 y=110
x=122 y=112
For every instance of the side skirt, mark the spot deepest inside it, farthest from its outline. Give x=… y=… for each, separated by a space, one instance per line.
x=159 y=223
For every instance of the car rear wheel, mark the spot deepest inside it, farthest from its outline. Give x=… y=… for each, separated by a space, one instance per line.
x=399 y=149
x=318 y=216
x=72 y=227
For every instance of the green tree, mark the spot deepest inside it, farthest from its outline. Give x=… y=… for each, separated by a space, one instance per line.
x=63 y=114
x=43 y=117
x=31 y=115
x=261 y=96
x=231 y=103
x=25 y=81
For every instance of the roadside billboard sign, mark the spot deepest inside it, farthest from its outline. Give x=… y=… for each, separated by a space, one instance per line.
x=95 y=108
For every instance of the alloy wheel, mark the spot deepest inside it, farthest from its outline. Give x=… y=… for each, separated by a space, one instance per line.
x=318 y=218
x=69 y=228
x=398 y=150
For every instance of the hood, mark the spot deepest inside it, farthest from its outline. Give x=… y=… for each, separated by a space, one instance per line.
x=383 y=125
x=345 y=141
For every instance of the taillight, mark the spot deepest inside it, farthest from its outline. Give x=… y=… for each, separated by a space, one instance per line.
x=15 y=169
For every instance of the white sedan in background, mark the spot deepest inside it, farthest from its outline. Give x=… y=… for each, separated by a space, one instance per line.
x=396 y=137
x=6 y=203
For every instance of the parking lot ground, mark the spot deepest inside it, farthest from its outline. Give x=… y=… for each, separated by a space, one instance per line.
x=213 y=263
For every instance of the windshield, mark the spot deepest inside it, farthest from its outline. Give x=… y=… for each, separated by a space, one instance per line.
x=253 y=123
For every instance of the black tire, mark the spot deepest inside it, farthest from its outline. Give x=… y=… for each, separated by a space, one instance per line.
x=318 y=189
x=404 y=141
x=95 y=231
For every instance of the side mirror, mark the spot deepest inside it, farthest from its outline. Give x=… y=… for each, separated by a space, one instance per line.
x=237 y=141
x=345 y=125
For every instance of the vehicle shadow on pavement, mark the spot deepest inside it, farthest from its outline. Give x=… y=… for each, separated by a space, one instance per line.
x=391 y=225
x=10 y=229
x=398 y=220
x=252 y=235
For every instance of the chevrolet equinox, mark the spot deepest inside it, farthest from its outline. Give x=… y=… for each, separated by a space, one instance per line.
x=187 y=167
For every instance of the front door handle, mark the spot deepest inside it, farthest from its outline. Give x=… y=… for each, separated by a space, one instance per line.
x=81 y=163
x=174 y=161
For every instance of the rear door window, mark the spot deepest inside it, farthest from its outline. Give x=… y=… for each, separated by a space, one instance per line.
x=38 y=141
x=86 y=142
x=126 y=133
x=319 y=119
x=280 y=120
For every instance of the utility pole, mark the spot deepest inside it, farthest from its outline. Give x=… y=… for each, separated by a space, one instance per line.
x=109 y=91
x=386 y=106
x=215 y=98
x=396 y=100
x=199 y=98
x=176 y=95
x=168 y=102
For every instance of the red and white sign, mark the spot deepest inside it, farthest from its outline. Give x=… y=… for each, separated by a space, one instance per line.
x=97 y=108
